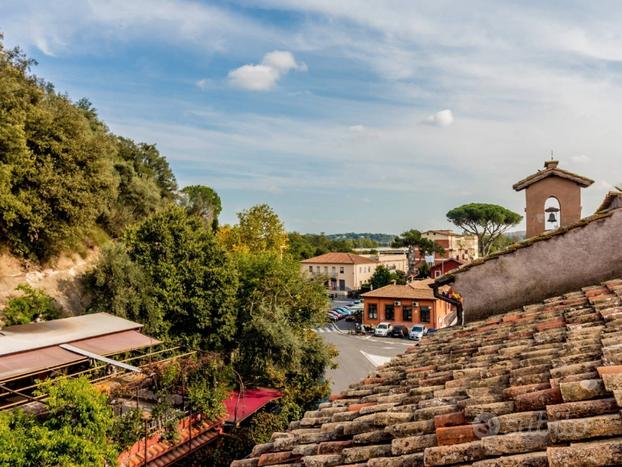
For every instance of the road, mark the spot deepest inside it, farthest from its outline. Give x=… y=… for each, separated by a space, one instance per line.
x=358 y=355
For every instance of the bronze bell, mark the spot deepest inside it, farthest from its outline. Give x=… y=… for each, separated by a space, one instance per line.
x=552 y=217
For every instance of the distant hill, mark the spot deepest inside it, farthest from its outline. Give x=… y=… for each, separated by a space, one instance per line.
x=382 y=239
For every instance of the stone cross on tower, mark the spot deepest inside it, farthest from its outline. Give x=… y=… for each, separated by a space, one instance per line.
x=553 y=198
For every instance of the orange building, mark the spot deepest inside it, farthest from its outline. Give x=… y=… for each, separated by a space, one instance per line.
x=407 y=305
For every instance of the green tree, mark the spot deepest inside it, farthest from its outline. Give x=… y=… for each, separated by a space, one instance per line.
x=487 y=221
x=74 y=431
x=413 y=239
x=202 y=201
x=381 y=277
x=31 y=305
x=119 y=286
x=55 y=167
x=185 y=280
x=259 y=230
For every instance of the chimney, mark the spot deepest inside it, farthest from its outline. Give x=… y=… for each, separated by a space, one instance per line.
x=550 y=165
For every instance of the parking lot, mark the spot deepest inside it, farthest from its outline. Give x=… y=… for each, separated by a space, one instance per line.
x=358 y=355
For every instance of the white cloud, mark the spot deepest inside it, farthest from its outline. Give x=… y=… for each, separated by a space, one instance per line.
x=264 y=76
x=580 y=159
x=444 y=118
x=202 y=83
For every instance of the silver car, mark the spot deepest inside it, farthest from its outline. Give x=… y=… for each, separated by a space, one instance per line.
x=417 y=332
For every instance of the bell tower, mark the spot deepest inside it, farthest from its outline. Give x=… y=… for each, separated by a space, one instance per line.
x=553 y=198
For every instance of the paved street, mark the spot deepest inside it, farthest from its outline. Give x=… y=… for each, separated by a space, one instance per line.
x=358 y=355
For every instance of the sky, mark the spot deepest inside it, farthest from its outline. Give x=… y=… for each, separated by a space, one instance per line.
x=349 y=115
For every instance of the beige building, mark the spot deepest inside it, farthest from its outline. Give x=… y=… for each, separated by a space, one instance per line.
x=392 y=261
x=345 y=272
x=457 y=246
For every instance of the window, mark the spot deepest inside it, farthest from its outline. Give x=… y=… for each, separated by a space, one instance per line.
x=407 y=313
x=437 y=273
x=310 y=268
x=341 y=269
x=389 y=312
x=425 y=314
x=372 y=311
x=326 y=269
x=334 y=268
x=317 y=268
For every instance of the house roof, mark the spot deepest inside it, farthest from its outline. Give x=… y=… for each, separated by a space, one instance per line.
x=613 y=200
x=339 y=258
x=450 y=276
x=32 y=336
x=541 y=385
x=402 y=292
x=551 y=170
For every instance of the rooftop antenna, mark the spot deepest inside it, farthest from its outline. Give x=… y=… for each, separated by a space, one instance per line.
x=552 y=155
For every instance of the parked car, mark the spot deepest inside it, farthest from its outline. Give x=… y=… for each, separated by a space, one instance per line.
x=399 y=331
x=417 y=332
x=382 y=329
x=343 y=310
x=355 y=316
x=334 y=316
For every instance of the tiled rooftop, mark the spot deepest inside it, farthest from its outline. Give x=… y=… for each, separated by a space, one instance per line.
x=537 y=386
x=339 y=258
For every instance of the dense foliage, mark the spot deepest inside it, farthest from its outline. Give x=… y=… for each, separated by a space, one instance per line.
x=487 y=221
x=31 y=305
x=76 y=431
x=63 y=175
x=172 y=275
x=383 y=276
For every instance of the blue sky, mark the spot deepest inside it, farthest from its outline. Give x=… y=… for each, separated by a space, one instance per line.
x=345 y=115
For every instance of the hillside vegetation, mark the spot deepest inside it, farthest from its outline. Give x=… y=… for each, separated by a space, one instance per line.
x=64 y=177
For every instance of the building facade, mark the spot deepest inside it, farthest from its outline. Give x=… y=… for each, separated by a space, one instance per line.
x=457 y=246
x=406 y=305
x=344 y=272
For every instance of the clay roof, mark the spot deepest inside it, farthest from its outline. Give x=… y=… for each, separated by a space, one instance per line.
x=537 y=386
x=401 y=291
x=449 y=277
x=613 y=200
x=339 y=258
x=550 y=171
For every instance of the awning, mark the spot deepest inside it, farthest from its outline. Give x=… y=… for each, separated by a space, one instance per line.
x=33 y=361
x=241 y=407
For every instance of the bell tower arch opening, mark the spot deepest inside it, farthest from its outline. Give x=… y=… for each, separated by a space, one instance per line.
x=552 y=214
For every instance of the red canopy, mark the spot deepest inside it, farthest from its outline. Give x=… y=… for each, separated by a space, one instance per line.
x=241 y=406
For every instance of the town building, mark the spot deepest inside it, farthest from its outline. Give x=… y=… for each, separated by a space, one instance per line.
x=457 y=246
x=407 y=305
x=347 y=272
x=344 y=272
x=526 y=381
x=441 y=266
x=553 y=198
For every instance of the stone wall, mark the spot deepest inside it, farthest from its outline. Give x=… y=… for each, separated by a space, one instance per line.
x=587 y=254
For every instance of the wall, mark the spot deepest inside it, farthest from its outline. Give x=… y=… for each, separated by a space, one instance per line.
x=438 y=311
x=584 y=255
x=568 y=194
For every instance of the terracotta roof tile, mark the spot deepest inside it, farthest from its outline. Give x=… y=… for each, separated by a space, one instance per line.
x=544 y=387
x=401 y=292
x=339 y=258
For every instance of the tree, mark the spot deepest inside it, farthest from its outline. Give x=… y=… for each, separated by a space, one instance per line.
x=381 y=277
x=33 y=304
x=73 y=432
x=202 y=201
x=259 y=230
x=487 y=221
x=186 y=282
x=56 y=174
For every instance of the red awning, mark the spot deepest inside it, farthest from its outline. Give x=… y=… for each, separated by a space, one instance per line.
x=240 y=407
